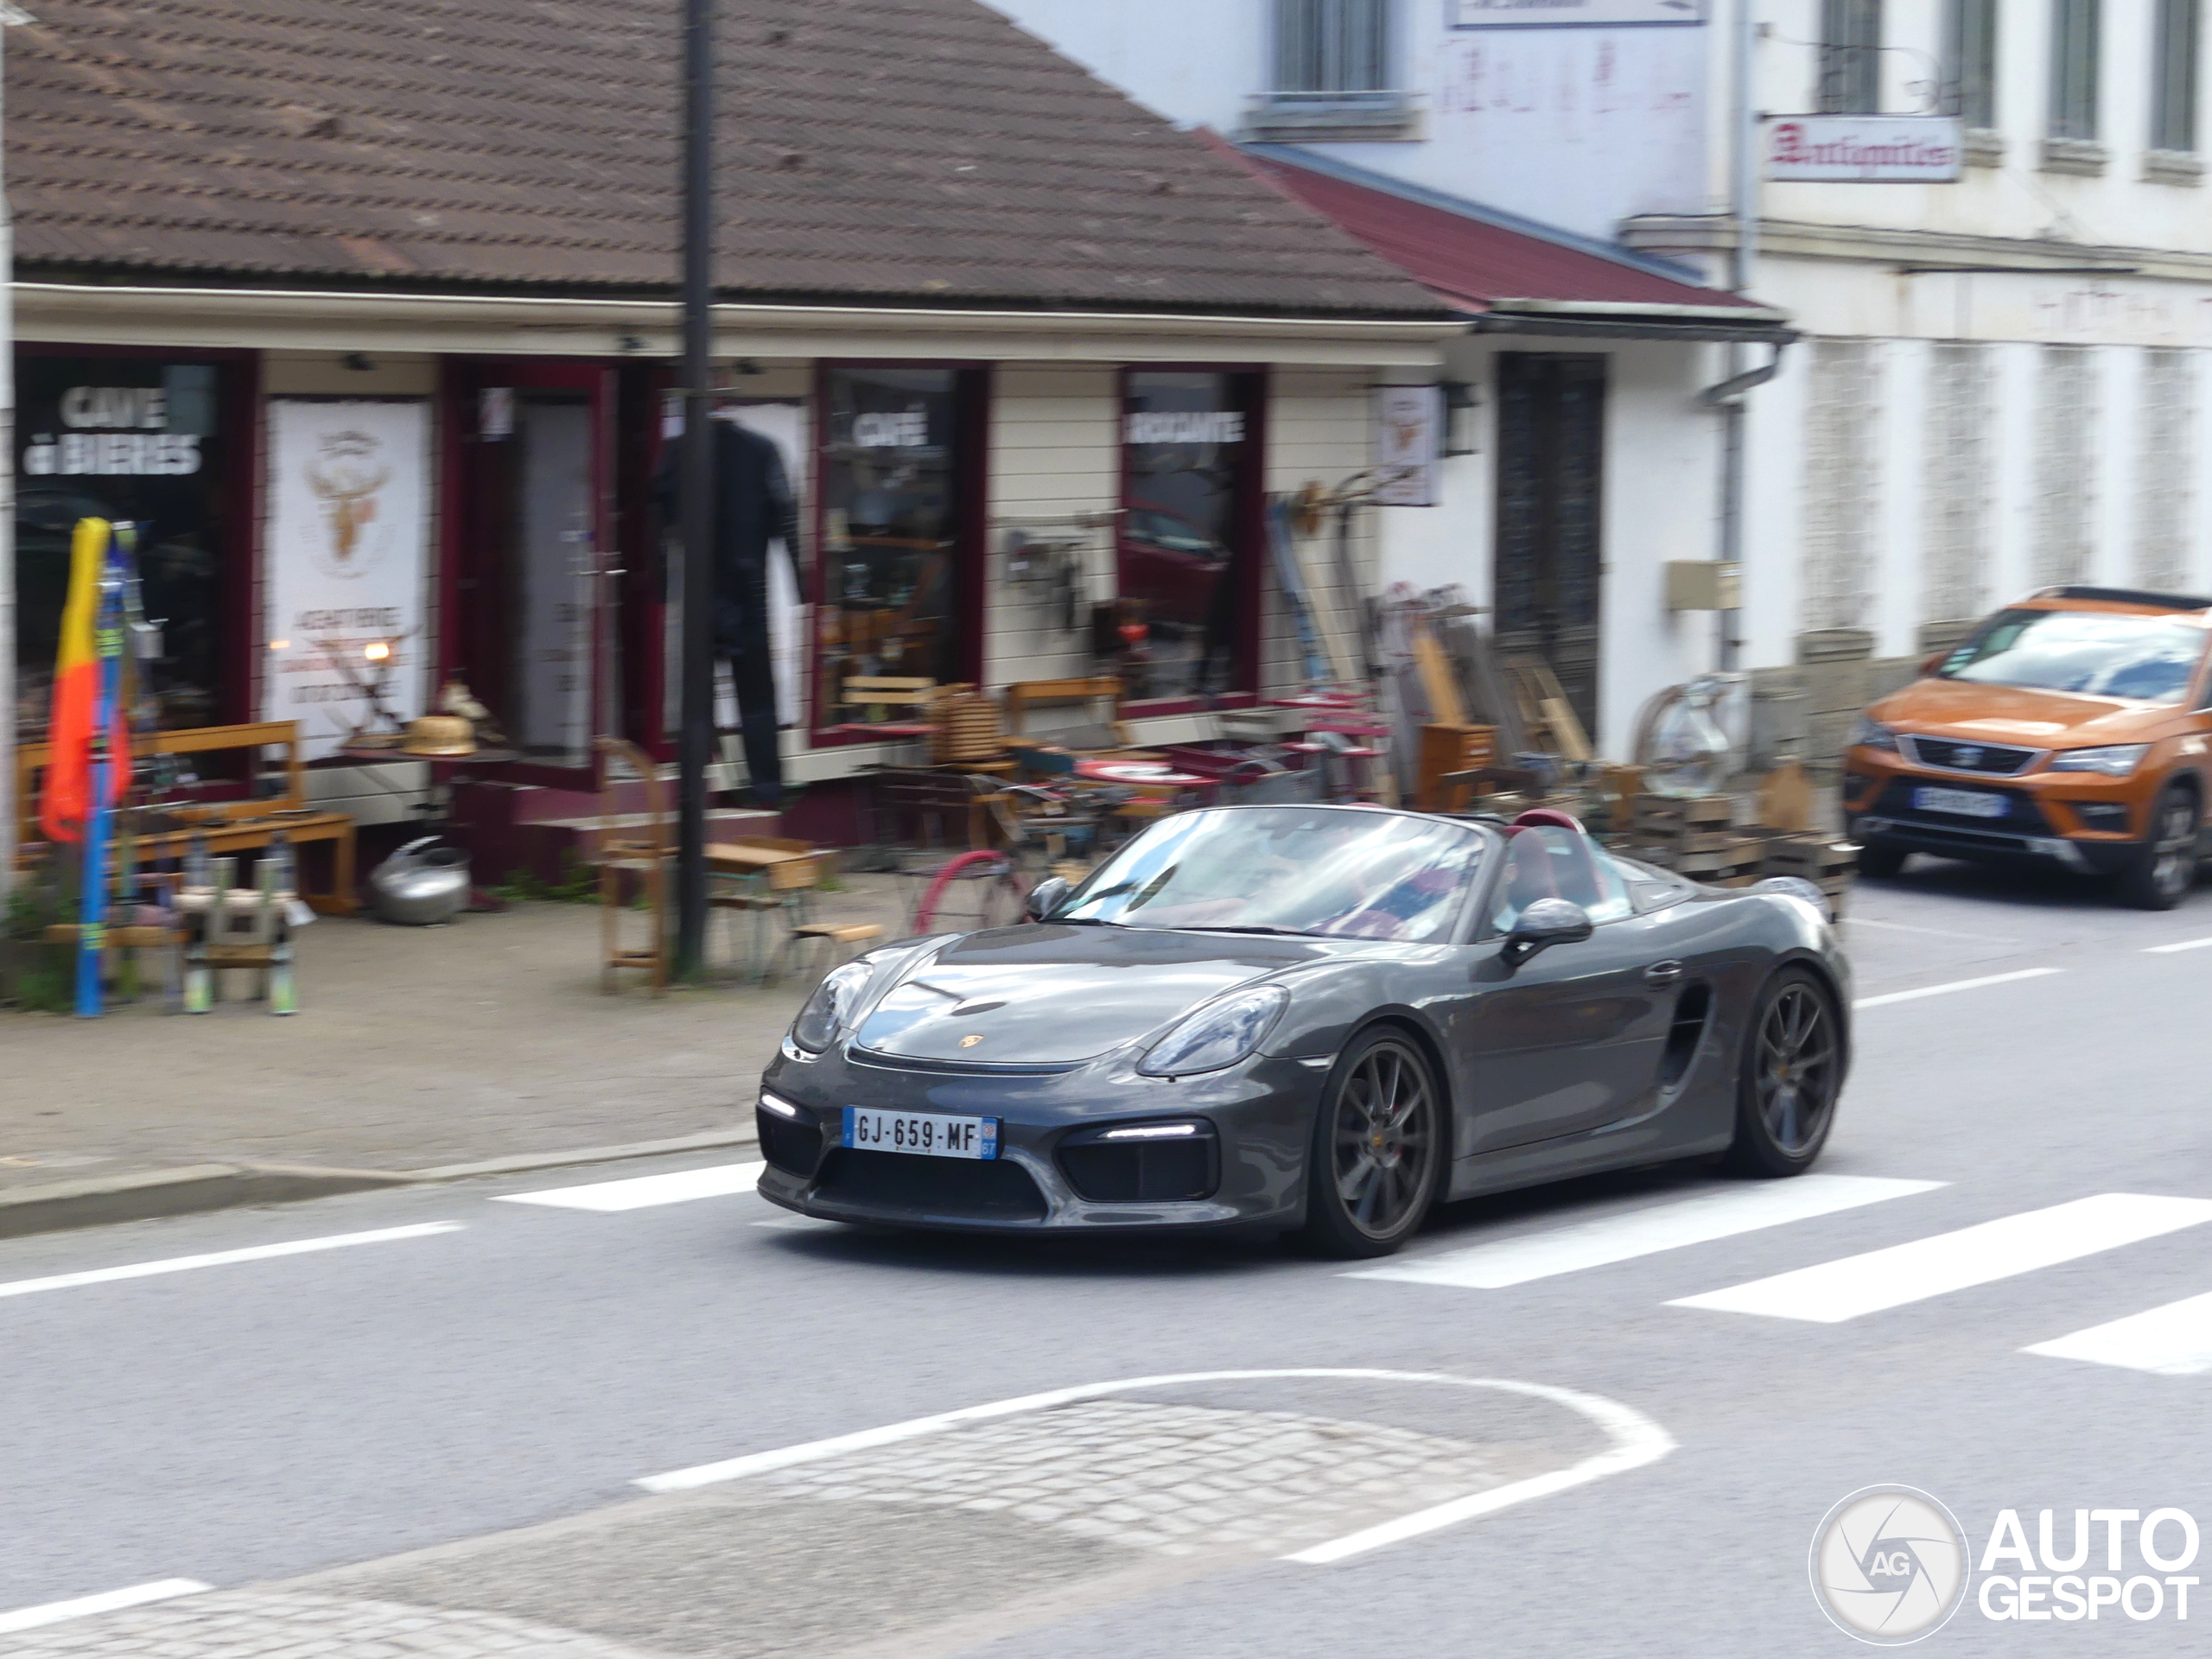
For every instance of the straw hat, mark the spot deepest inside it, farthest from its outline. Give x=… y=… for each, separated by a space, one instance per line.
x=441 y=734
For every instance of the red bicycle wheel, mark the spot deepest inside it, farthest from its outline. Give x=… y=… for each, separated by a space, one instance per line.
x=980 y=866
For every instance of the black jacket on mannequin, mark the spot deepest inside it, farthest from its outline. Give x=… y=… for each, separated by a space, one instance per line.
x=753 y=505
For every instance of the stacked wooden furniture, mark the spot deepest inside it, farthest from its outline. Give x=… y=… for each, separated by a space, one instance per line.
x=1829 y=863
x=966 y=729
x=226 y=827
x=630 y=844
x=1695 y=836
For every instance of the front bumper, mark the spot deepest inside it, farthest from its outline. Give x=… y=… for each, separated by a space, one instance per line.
x=2052 y=818
x=1261 y=1113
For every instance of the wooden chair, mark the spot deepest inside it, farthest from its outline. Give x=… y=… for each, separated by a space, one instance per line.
x=226 y=826
x=1090 y=692
x=641 y=849
x=763 y=876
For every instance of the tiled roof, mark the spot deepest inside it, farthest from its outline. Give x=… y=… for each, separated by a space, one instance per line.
x=1473 y=256
x=914 y=149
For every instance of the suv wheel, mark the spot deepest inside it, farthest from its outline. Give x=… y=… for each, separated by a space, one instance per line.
x=2164 y=868
x=1881 y=859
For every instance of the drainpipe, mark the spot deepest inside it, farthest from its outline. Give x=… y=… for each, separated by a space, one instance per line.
x=1728 y=395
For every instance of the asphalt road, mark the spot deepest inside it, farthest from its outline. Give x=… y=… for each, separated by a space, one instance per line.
x=1662 y=1467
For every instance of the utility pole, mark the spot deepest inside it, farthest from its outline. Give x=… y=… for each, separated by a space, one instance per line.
x=10 y=704
x=1735 y=412
x=695 y=490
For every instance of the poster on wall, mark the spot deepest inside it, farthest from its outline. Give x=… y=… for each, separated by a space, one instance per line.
x=348 y=533
x=1537 y=14
x=1407 y=419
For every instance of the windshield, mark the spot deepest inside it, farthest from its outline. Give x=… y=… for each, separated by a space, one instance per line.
x=2093 y=653
x=1342 y=872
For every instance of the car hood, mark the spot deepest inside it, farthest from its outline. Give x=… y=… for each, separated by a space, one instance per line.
x=2012 y=713
x=1045 y=996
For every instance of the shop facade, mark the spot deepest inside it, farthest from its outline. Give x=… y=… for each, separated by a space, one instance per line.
x=398 y=504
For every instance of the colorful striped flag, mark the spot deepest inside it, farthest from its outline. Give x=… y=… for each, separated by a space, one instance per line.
x=68 y=801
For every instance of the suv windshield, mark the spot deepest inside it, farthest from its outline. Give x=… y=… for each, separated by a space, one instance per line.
x=1345 y=871
x=2093 y=653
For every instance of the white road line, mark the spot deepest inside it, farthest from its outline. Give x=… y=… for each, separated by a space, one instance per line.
x=1844 y=1289
x=2168 y=950
x=30 y=1618
x=1956 y=985
x=1722 y=1214
x=643 y=1191
x=1635 y=1440
x=2175 y=1340
x=225 y=1258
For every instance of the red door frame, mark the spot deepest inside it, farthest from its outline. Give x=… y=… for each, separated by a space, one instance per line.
x=1252 y=388
x=461 y=546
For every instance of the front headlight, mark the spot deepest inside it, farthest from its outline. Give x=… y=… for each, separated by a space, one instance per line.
x=1873 y=735
x=2114 y=759
x=827 y=1011
x=1220 y=1034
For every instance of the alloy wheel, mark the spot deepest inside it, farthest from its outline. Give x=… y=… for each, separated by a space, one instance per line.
x=2173 y=866
x=1797 y=1071
x=1384 y=1138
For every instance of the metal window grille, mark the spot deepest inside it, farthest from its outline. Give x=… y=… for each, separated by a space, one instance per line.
x=1851 y=57
x=1961 y=420
x=2179 y=32
x=2165 y=453
x=1842 y=482
x=1970 y=61
x=2065 y=426
x=2075 y=29
x=1333 y=45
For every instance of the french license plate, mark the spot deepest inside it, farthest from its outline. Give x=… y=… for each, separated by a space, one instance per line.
x=921 y=1133
x=1961 y=802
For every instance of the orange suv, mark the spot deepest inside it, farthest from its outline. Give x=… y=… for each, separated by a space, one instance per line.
x=2073 y=725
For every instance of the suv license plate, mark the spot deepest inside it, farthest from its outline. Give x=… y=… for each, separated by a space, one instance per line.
x=1961 y=802
x=921 y=1133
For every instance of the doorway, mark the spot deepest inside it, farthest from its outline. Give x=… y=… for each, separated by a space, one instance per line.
x=1551 y=435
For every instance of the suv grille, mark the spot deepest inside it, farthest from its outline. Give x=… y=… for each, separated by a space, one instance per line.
x=1991 y=759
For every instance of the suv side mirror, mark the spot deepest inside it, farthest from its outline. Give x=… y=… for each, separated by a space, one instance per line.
x=1546 y=922
x=1933 y=661
x=1044 y=898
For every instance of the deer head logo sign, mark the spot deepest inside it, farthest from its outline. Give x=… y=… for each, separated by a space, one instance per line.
x=345 y=474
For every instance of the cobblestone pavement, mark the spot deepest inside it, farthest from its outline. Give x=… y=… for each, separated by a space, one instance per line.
x=1179 y=1479
x=275 y=1624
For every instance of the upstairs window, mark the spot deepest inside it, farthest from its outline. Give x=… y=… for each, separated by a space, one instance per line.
x=2073 y=54
x=1970 y=61
x=1333 y=45
x=1851 y=57
x=2174 y=49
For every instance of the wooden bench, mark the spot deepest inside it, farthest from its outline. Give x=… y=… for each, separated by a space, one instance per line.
x=226 y=826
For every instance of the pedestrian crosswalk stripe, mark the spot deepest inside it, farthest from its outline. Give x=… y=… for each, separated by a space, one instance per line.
x=2175 y=1340
x=644 y=1192
x=1723 y=1213
x=1844 y=1289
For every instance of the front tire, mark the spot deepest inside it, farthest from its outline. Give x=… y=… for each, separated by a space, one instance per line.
x=1881 y=859
x=1789 y=1078
x=1372 y=1165
x=2164 y=868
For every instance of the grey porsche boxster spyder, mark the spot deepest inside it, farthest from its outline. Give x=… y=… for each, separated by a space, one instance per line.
x=1315 y=1017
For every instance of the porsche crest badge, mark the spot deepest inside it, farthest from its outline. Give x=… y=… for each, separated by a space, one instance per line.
x=971 y=1039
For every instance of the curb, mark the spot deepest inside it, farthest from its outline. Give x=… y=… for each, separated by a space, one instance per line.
x=195 y=1189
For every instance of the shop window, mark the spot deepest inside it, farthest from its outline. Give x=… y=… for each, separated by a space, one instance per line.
x=894 y=580
x=127 y=438
x=1185 y=560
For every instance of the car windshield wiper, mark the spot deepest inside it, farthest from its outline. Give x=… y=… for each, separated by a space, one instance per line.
x=1288 y=933
x=1082 y=921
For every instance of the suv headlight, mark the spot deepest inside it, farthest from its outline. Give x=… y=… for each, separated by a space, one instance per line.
x=1220 y=1033
x=1873 y=735
x=828 y=1011
x=2114 y=759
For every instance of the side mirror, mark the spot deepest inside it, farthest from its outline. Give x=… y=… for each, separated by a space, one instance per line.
x=1546 y=922
x=1934 y=661
x=1044 y=898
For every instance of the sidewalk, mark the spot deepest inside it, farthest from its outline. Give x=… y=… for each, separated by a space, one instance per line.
x=415 y=1049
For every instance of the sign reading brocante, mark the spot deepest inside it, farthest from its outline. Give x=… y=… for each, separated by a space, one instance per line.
x=1535 y=14
x=1864 y=148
